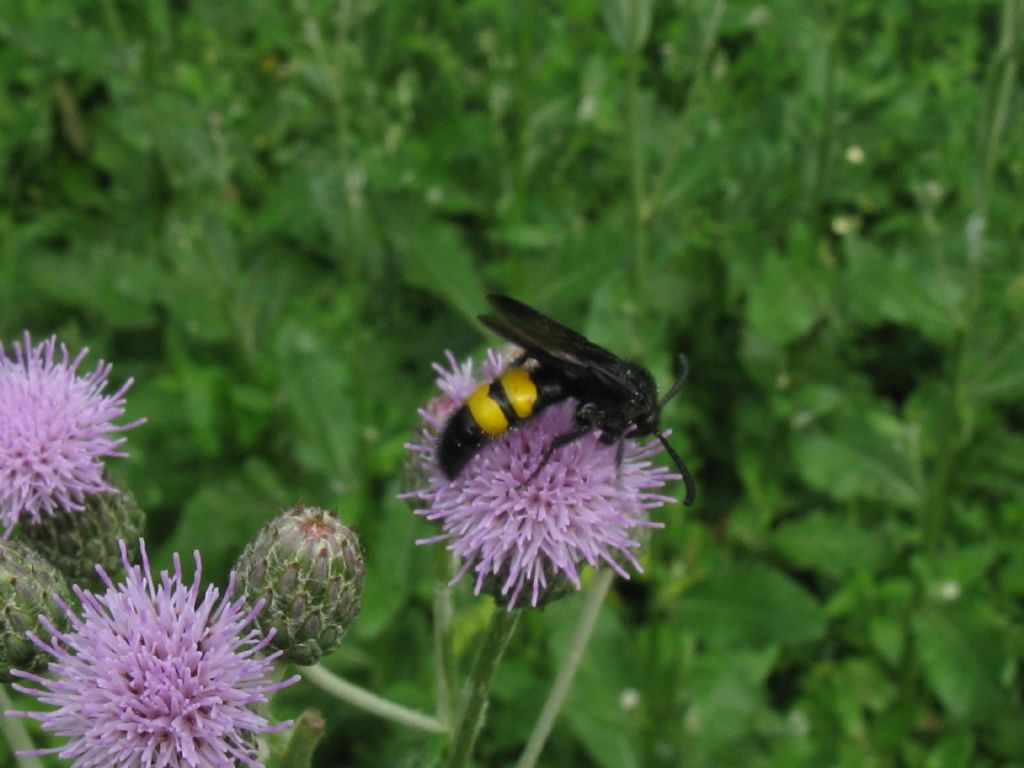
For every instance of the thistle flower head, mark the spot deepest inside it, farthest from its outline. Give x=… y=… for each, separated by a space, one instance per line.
x=154 y=673
x=582 y=508
x=56 y=427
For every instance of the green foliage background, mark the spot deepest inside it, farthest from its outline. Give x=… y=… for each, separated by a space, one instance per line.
x=276 y=215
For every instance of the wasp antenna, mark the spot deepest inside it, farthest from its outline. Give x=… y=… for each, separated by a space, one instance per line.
x=691 y=487
x=684 y=370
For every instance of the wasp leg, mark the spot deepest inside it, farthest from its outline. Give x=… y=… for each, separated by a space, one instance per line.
x=558 y=442
x=620 y=452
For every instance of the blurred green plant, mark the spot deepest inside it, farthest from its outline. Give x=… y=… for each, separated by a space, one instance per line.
x=274 y=215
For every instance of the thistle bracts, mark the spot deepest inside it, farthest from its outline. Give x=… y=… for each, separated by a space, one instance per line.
x=307 y=567
x=28 y=585
x=76 y=543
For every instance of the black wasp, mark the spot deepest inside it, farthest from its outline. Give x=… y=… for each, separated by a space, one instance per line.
x=613 y=395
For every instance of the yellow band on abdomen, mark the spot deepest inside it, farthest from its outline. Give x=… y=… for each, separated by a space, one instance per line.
x=520 y=390
x=486 y=413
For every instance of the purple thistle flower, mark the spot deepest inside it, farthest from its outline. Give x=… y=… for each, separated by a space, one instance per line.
x=56 y=427
x=583 y=508
x=150 y=675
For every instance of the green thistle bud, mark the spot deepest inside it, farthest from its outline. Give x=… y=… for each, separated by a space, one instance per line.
x=28 y=585
x=307 y=566
x=76 y=542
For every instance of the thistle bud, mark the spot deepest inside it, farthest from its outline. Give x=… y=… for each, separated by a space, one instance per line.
x=76 y=542
x=307 y=567
x=28 y=585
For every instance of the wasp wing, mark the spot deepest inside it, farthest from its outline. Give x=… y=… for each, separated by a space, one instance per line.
x=548 y=341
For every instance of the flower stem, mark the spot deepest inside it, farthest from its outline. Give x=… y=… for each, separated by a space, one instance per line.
x=371 y=702
x=1002 y=77
x=637 y=153
x=16 y=735
x=443 y=657
x=826 y=133
x=305 y=735
x=580 y=637
x=474 y=699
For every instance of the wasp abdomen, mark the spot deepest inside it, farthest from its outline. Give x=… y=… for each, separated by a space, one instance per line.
x=491 y=410
x=462 y=437
x=500 y=404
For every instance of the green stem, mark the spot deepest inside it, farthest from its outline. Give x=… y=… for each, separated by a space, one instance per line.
x=444 y=667
x=638 y=181
x=519 y=20
x=474 y=700
x=371 y=702
x=305 y=735
x=1002 y=75
x=114 y=24
x=15 y=734
x=339 y=80
x=1002 y=79
x=823 y=150
x=580 y=638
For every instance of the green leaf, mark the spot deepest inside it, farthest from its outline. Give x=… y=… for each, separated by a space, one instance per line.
x=595 y=711
x=968 y=565
x=628 y=22
x=912 y=286
x=434 y=257
x=953 y=751
x=203 y=273
x=389 y=542
x=119 y=285
x=1011 y=575
x=219 y=520
x=993 y=359
x=751 y=605
x=868 y=459
x=888 y=638
x=607 y=674
x=727 y=692
x=963 y=653
x=318 y=385
x=832 y=544
x=785 y=301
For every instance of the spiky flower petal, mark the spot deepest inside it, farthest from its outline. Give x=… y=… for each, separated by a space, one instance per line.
x=307 y=566
x=583 y=508
x=155 y=674
x=56 y=428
